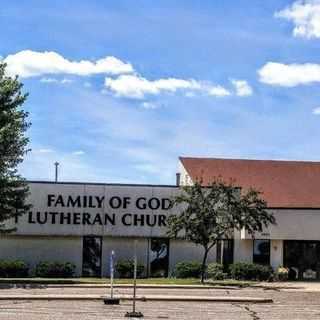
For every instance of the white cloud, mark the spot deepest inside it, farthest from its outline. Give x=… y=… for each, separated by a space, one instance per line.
x=242 y=88
x=28 y=63
x=316 y=111
x=87 y=84
x=128 y=83
x=190 y=94
x=289 y=75
x=54 y=80
x=49 y=80
x=149 y=105
x=135 y=86
x=305 y=16
x=217 y=91
x=45 y=150
x=66 y=80
x=78 y=153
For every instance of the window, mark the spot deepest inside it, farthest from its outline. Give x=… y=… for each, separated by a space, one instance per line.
x=225 y=251
x=91 y=255
x=159 y=257
x=261 y=251
x=303 y=259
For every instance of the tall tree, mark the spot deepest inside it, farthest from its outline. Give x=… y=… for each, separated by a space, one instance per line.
x=13 y=147
x=208 y=214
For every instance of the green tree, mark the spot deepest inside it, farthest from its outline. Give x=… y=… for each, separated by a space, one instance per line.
x=13 y=147
x=208 y=214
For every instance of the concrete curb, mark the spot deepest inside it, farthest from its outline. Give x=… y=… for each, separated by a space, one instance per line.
x=151 y=286
x=140 y=298
x=123 y=286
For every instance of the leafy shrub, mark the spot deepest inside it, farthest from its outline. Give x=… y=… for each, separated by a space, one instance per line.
x=265 y=273
x=158 y=274
x=13 y=269
x=188 y=269
x=282 y=274
x=47 y=269
x=250 y=271
x=215 y=271
x=124 y=268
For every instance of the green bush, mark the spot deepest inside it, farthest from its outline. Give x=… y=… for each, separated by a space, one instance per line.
x=282 y=274
x=124 y=269
x=47 y=269
x=188 y=269
x=215 y=271
x=250 y=271
x=13 y=269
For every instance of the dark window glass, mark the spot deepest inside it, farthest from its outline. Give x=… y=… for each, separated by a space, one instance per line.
x=159 y=257
x=225 y=251
x=91 y=255
x=219 y=255
x=302 y=258
x=261 y=251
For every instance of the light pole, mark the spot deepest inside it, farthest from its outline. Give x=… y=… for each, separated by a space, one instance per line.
x=56 y=164
x=134 y=313
x=111 y=299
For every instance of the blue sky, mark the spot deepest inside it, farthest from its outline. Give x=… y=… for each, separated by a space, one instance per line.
x=234 y=79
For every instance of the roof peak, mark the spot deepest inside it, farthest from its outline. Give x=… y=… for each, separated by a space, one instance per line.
x=284 y=183
x=247 y=159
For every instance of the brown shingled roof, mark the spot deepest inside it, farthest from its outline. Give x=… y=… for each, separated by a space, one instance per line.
x=283 y=183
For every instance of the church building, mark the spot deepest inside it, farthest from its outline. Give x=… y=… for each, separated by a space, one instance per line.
x=83 y=222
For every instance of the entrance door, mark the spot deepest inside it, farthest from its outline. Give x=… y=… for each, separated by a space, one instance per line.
x=303 y=259
x=91 y=256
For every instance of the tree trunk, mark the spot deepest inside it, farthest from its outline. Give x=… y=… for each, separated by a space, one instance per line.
x=203 y=265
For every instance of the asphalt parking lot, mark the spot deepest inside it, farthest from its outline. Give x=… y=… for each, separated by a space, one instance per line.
x=287 y=305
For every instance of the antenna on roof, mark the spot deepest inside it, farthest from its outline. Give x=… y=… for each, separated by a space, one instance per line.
x=56 y=164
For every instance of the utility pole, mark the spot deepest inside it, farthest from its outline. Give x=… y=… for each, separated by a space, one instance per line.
x=56 y=164
x=134 y=313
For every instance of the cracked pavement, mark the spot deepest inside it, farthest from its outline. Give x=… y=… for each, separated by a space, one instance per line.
x=288 y=304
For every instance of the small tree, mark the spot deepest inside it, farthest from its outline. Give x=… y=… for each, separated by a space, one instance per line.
x=211 y=213
x=13 y=143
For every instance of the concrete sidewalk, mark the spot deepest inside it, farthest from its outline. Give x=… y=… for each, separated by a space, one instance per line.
x=140 y=298
x=276 y=286
x=139 y=286
x=281 y=286
x=301 y=286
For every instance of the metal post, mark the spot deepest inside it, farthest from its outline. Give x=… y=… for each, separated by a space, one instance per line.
x=111 y=274
x=222 y=249
x=134 y=277
x=56 y=171
x=111 y=300
x=134 y=313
